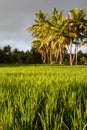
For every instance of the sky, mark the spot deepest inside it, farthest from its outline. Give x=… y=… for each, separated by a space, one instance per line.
x=17 y=15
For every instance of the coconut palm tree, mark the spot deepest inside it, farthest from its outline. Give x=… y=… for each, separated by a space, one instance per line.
x=53 y=33
x=56 y=22
x=46 y=32
x=78 y=23
x=39 y=33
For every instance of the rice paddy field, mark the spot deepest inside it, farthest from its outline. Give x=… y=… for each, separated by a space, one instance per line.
x=43 y=97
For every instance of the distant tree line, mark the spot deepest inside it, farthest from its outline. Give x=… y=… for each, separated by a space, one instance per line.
x=8 y=56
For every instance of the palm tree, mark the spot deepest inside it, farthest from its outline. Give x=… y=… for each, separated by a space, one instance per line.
x=78 y=24
x=56 y=22
x=70 y=35
x=39 y=33
x=46 y=32
x=53 y=33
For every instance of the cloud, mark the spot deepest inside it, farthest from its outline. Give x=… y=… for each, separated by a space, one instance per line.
x=17 y=15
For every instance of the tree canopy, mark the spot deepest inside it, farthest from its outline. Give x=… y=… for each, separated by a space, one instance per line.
x=54 y=33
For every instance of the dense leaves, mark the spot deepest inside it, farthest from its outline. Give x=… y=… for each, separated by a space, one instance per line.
x=53 y=33
x=32 y=57
x=19 y=57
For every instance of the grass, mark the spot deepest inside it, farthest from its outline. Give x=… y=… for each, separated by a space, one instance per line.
x=43 y=97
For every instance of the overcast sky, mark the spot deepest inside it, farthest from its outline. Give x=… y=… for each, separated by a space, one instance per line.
x=17 y=15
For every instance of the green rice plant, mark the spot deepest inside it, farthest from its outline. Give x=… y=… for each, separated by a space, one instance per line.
x=43 y=98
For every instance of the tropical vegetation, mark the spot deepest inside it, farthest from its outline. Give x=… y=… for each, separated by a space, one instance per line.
x=32 y=56
x=46 y=97
x=54 y=33
x=9 y=56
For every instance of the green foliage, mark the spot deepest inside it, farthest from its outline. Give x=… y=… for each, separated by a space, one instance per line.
x=19 y=57
x=53 y=33
x=43 y=98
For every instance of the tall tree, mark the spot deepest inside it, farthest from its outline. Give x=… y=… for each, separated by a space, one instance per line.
x=53 y=33
x=56 y=22
x=39 y=32
x=78 y=24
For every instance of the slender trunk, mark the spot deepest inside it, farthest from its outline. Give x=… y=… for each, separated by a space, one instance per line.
x=76 y=54
x=70 y=51
x=57 y=55
x=70 y=58
x=60 y=52
x=44 y=57
x=63 y=56
x=50 y=56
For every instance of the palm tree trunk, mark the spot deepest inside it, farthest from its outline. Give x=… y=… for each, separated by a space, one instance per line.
x=71 y=59
x=57 y=55
x=76 y=54
x=70 y=51
x=50 y=56
x=44 y=57
x=60 y=52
